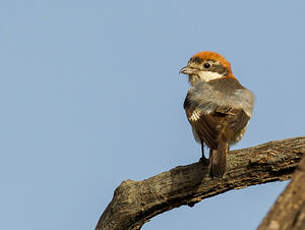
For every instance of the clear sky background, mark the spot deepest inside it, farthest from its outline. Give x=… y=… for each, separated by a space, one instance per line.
x=90 y=95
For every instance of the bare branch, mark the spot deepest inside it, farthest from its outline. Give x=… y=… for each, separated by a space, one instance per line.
x=135 y=202
x=288 y=212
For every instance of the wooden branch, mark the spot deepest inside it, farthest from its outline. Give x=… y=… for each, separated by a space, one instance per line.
x=135 y=202
x=288 y=212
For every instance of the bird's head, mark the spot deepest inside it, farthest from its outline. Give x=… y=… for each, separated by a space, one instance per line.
x=207 y=66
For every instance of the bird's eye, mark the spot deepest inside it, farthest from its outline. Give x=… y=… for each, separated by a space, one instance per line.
x=207 y=65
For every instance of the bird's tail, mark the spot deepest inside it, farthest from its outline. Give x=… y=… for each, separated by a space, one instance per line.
x=218 y=159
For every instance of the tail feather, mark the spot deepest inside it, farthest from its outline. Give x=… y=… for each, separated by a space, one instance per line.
x=218 y=159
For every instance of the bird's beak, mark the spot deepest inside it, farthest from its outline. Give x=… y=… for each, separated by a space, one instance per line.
x=187 y=70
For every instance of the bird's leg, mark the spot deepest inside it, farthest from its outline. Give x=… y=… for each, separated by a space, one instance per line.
x=203 y=158
x=202 y=150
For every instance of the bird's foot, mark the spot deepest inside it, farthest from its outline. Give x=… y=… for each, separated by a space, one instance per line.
x=204 y=160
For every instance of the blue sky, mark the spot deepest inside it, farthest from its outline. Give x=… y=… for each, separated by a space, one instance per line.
x=90 y=96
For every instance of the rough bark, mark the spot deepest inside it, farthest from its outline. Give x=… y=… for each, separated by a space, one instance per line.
x=135 y=202
x=288 y=212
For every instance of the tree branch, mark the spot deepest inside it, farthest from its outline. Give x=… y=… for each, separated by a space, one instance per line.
x=135 y=202
x=288 y=212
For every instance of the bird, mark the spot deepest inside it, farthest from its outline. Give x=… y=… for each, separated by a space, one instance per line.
x=217 y=107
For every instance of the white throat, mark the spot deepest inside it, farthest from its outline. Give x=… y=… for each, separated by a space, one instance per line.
x=209 y=75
